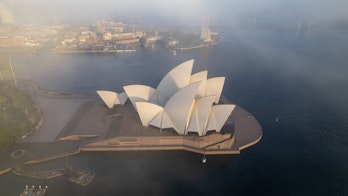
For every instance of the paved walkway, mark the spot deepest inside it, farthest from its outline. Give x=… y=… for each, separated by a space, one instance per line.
x=56 y=113
x=247 y=129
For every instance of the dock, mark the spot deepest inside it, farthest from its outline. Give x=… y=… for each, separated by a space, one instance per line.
x=82 y=178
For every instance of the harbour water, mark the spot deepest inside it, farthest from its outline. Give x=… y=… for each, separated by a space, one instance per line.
x=299 y=79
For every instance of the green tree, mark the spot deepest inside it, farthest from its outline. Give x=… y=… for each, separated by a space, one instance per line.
x=16 y=107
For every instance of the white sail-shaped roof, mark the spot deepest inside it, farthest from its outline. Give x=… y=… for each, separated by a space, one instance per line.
x=147 y=112
x=200 y=114
x=139 y=93
x=176 y=79
x=179 y=106
x=181 y=101
x=218 y=116
x=202 y=77
x=121 y=98
x=109 y=97
x=214 y=87
x=162 y=120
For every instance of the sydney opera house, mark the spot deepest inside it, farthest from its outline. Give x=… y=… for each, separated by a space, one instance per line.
x=182 y=101
x=184 y=112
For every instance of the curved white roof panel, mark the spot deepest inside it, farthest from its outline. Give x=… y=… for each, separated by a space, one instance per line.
x=218 y=116
x=202 y=77
x=200 y=115
x=214 y=87
x=162 y=120
x=179 y=106
x=147 y=111
x=109 y=98
x=139 y=93
x=177 y=78
x=121 y=98
x=181 y=101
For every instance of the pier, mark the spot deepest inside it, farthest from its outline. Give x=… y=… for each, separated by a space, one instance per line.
x=82 y=178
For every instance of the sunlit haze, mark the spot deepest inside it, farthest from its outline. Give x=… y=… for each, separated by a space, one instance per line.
x=174 y=97
x=179 y=11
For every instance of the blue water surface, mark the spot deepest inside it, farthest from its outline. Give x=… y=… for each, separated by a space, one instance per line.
x=301 y=78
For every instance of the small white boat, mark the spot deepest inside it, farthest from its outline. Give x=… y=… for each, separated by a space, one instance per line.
x=204 y=160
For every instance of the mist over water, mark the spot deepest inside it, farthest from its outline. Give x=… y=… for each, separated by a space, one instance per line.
x=180 y=12
x=300 y=78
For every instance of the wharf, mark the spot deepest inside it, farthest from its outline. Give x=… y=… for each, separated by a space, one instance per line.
x=82 y=178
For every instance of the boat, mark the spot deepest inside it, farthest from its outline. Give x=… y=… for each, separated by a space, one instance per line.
x=204 y=160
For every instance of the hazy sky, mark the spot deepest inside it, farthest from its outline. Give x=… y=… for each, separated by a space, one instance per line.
x=181 y=11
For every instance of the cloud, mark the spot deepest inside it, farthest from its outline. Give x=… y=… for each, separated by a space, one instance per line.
x=182 y=11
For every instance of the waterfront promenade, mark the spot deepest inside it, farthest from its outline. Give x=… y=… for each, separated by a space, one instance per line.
x=57 y=108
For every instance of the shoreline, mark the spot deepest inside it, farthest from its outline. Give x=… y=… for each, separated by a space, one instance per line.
x=32 y=51
x=84 y=51
x=195 y=47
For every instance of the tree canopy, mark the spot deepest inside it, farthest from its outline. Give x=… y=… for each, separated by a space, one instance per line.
x=18 y=114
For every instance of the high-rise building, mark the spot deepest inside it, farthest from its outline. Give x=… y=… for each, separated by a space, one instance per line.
x=205 y=32
x=6 y=14
x=6 y=71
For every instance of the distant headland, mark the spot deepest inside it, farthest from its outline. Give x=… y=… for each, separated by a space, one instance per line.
x=101 y=37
